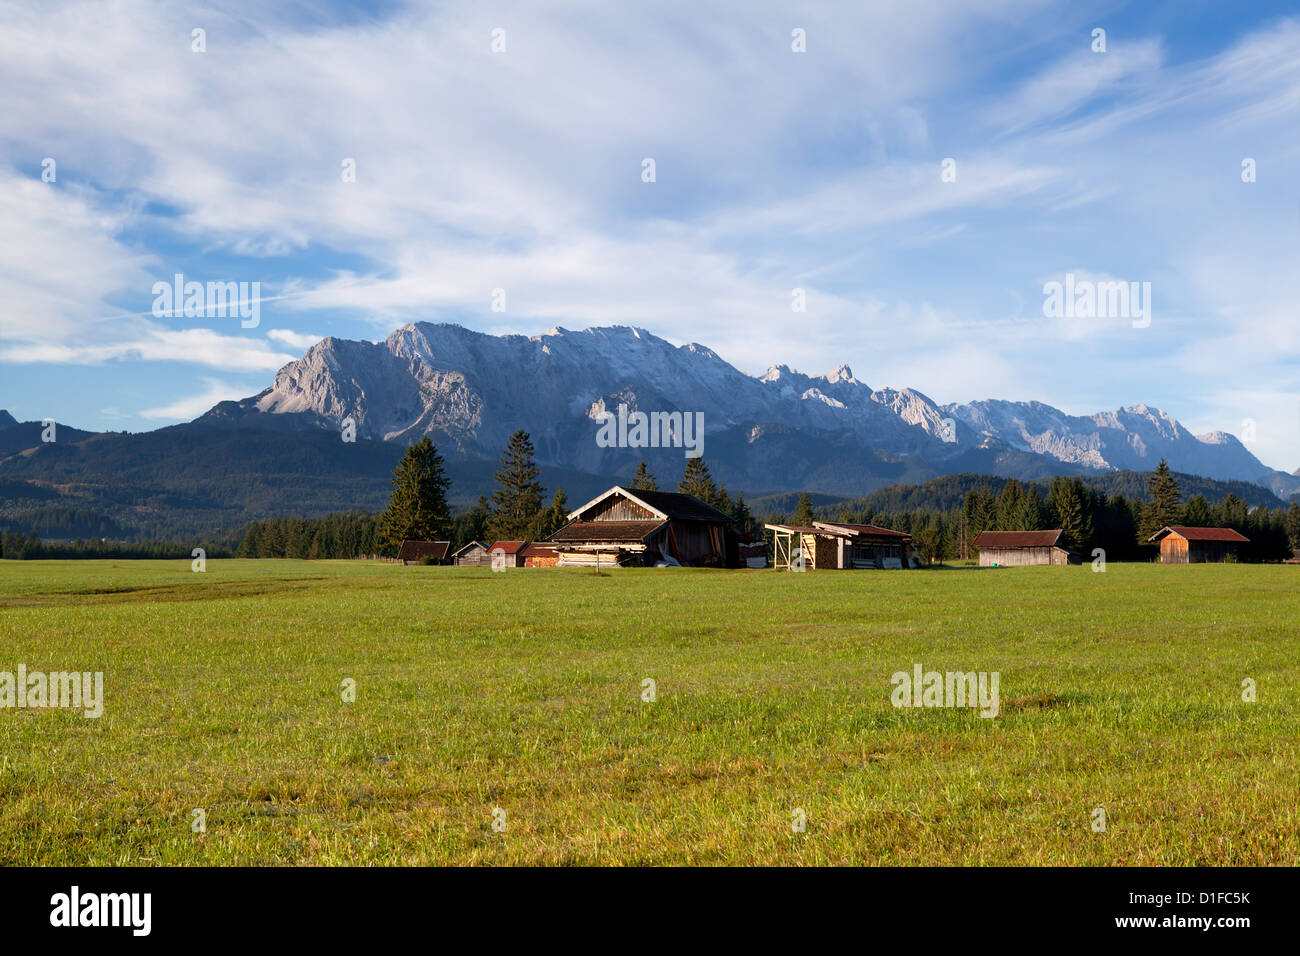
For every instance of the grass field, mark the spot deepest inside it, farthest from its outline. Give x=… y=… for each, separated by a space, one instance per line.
x=523 y=691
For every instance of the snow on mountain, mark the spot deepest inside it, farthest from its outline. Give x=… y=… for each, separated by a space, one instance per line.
x=471 y=391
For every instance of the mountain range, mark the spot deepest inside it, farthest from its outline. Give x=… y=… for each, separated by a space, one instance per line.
x=282 y=451
x=779 y=431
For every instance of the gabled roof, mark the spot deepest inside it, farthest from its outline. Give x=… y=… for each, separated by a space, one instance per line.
x=418 y=550
x=470 y=547
x=1018 y=539
x=626 y=532
x=666 y=505
x=538 y=549
x=805 y=529
x=863 y=529
x=509 y=547
x=1200 y=534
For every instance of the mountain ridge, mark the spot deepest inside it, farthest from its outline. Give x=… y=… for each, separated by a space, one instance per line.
x=470 y=390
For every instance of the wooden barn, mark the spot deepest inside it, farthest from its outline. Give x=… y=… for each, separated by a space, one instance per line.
x=510 y=552
x=423 y=552
x=473 y=555
x=1183 y=545
x=1000 y=549
x=539 y=555
x=839 y=546
x=642 y=528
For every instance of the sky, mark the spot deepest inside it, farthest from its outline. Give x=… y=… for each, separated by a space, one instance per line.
x=920 y=170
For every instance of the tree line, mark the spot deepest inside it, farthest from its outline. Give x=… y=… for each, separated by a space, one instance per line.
x=1088 y=518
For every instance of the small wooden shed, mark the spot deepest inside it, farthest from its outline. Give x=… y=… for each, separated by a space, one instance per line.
x=843 y=546
x=539 y=555
x=1000 y=549
x=423 y=552
x=1184 y=545
x=509 y=551
x=473 y=555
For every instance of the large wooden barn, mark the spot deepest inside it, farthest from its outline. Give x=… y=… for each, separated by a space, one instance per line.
x=1184 y=545
x=423 y=552
x=1000 y=549
x=642 y=528
x=844 y=546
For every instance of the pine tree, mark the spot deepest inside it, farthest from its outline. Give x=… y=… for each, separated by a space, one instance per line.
x=697 y=481
x=1293 y=525
x=1008 y=506
x=744 y=519
x=643 y=480
x=553 y=518
x=1163 y=508
x=518 y=501
x=1069 y=505
x=803 y=514
x=1196 y=513
x=418 y=508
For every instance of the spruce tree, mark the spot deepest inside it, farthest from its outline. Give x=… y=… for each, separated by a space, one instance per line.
x=1165 y=504
x=643 y=480
x=517 y=503
x=1197 y=512
x=553 y=518
x=418 y=508
x=803 y=515
x=697 y=481
x=744 y=518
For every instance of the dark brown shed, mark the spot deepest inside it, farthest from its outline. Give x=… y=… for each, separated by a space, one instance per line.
x=423 y=552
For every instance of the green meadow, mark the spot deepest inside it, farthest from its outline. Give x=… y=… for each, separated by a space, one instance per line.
x=519 y=696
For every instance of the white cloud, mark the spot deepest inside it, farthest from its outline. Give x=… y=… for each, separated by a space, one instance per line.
x=297 y=340
x=192 y=406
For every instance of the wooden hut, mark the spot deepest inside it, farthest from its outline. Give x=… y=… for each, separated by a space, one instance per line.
x=868 y=546
x=643 y=528
x=825 y=546
x=509 y=554
x=1184 y=545
x=473 y=555
x=1018 y=548
x=423 y=552
x=539 y=555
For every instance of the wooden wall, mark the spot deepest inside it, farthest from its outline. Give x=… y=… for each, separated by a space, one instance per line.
x=617 y=508
x=1016 y=557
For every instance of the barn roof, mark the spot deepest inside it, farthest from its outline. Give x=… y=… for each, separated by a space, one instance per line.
x=1200 y=534
x=418 y=550
x=629 y=532
x=470 y=547
x=804 y=529
x=509 y=547
x=538 y=550
x=863 y=529
x=1017 y=539
x=664 y=504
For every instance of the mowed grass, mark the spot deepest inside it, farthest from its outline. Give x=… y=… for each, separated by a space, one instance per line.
x=522 y=691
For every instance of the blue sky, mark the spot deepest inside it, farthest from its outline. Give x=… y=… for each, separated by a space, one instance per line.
x=775 y=170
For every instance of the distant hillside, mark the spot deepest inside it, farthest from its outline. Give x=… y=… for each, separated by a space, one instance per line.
x=948 y=492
